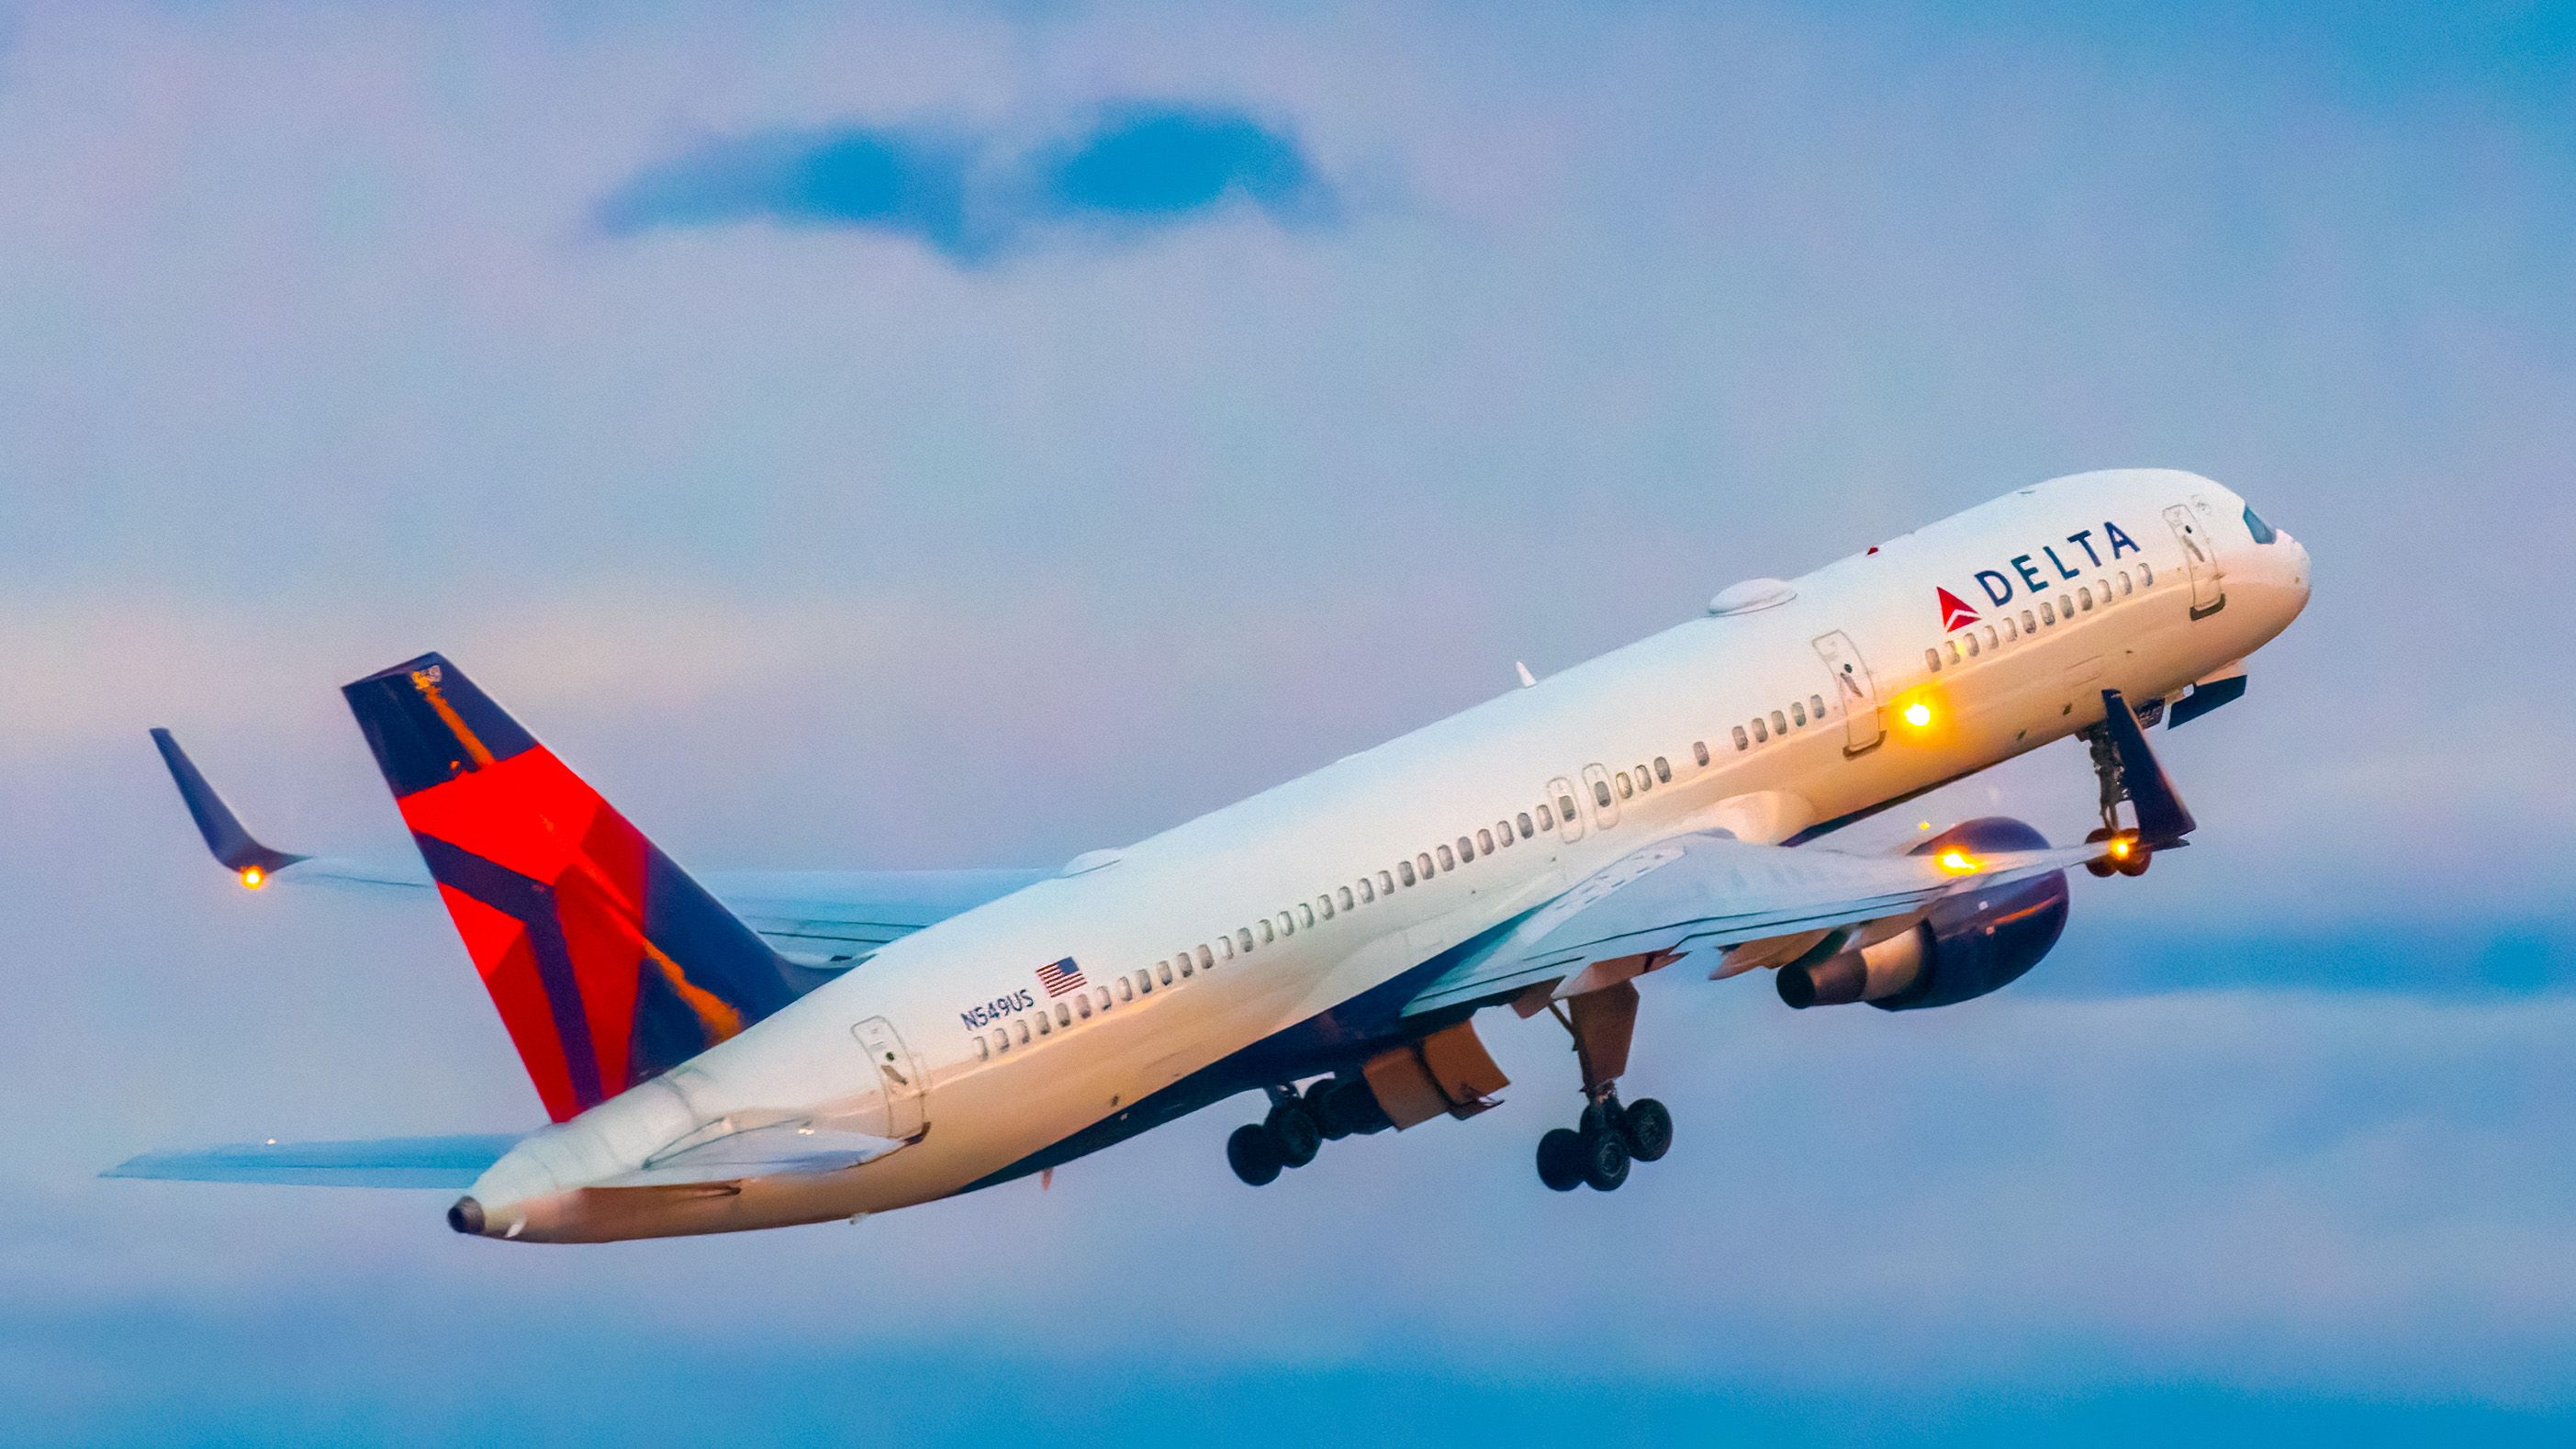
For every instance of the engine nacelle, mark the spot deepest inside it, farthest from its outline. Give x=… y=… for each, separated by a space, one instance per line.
x=1966 y=946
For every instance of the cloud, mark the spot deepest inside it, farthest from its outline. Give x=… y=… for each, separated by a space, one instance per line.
x=1129 y=170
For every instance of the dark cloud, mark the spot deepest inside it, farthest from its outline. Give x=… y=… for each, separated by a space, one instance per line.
x=1129 y=170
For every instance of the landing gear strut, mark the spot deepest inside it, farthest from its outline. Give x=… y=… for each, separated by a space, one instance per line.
x=1609 y=1137
x=2128 y=855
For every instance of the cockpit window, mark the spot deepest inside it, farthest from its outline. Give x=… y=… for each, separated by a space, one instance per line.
x=2254 y=524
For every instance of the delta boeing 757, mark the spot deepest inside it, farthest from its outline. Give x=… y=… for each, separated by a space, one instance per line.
x=759 y=1051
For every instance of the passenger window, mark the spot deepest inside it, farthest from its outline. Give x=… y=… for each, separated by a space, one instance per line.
x=1626 y=790
x=1163 y=969
x=1022 y=1026
x=1404 y=871
x=1761 y=735
x=983 y=1050
x=1990 y=636
x=1741 y=742
x=1347 y=903
x=1306 y=913
x=1082 y=1007
x=2029 y=624
x=2047 y=613
x=1422 y=863
x=1045 y=1025
x=1779 y=726
x=1816 y=706
x=2010 y=633
x=1503 y=831
x=1950 y=647
x=1127 y=988
x=1699 y=752
x=1466 y=849
x=1385 y=884
x=1798 y=711
x=1601 y=793
x=1643 y=782
x=1564 y=807
x=2146 y=576
x=1205 y=960
x=1225 y=946
x=1485 y=840
x=1526 y=832
x=1932 y=660
x=2084 y=599
x=1266 y=934
x=2125 y=590
x=1447 y=861
x=1972 y=646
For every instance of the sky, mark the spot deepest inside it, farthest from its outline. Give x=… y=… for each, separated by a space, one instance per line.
x=910 y=435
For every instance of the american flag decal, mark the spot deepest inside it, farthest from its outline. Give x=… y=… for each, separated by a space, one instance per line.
x=1060 y=977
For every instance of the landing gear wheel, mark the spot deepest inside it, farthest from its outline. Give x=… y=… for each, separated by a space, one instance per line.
x=1647 y=1129
x=1250 y=1153
x=1319 y=1105
x=1560 y=1160
x=1605 y=1160
x=2104 y=866
x=2136 y=864
x=1293 y=1135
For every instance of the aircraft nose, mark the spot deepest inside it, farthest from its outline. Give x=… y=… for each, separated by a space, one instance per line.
x=466 y=1216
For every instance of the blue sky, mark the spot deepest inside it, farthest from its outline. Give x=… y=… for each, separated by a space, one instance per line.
x=975 y=434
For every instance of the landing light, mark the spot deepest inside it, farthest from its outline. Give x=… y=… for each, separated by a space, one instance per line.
x=2120 y=847
x=1918 y=715
x=252 y=877
x=1958 y=862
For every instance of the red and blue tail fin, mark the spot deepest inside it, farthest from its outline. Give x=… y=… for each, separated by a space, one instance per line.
x=609 y=965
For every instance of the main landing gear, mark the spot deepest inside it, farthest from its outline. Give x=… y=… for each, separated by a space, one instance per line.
x=1609 y=1137
x=1298 y=1127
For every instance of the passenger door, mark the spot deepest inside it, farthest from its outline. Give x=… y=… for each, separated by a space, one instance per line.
x=898 y=1077
x=2208 y=590
x=1855 y=691
x=1598 y=798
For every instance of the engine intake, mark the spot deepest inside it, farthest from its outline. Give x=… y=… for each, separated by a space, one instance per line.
x=1965 y=947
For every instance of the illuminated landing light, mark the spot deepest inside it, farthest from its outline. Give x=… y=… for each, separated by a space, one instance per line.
x=1917 y=715
x=252 y=877
x=2122 y=847
x=1958 y=862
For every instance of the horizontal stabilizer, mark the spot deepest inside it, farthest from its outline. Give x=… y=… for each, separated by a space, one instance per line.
x=444 y=1162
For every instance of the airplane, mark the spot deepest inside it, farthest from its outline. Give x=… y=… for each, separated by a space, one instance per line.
x=766 y=1050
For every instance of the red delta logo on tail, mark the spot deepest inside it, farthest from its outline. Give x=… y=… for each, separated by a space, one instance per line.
x=1955 y=613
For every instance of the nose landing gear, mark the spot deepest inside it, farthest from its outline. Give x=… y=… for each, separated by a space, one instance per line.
x=2129 y=773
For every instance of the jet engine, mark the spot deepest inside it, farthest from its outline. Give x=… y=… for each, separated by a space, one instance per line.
x=1966 y=946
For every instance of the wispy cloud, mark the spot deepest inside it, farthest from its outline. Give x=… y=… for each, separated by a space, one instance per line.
x=1125 y=172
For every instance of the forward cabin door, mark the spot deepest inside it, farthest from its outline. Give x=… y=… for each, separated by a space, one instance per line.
x=1863 y=724
x=898 y=1077
x=2208 y=590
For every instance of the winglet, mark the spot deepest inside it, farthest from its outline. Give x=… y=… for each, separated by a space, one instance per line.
x=231 y=844
x=2163 y=820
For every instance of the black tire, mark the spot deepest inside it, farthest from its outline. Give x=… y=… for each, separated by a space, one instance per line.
x=1357 y=1106
x=2100 y=867
x=1326 y=1110
x=1599 y=1117
x=1250 y=1153
x=2136 y=864
x=1647 y=1128
x=1560 y=1160
x=1293 y=1134
x=1605 y=1160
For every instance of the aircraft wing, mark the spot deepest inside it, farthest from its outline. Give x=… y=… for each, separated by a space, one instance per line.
x=826 y=919
x=1709 y=890
x=384 y=1162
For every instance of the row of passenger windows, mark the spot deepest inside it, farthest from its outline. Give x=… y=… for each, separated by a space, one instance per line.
x=1967 y=643
x=1800 y=714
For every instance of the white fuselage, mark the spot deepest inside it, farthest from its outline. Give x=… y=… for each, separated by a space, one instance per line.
x=980 y=1089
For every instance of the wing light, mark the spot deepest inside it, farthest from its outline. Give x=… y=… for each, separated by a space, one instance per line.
x=1959 y=862
x=252 y=877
